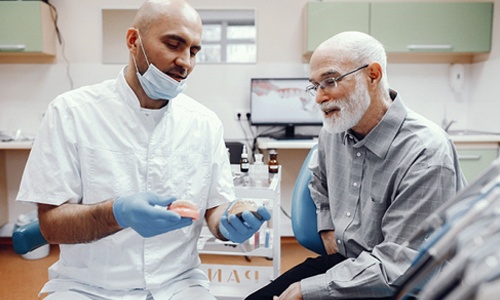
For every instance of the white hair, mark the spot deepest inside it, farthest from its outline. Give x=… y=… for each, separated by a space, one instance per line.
x=359 y=48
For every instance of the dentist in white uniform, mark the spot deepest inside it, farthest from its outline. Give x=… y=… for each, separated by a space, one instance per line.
x=109 y=159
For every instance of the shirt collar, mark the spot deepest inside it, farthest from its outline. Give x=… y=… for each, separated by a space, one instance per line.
x=126 y=93
x=380 y=138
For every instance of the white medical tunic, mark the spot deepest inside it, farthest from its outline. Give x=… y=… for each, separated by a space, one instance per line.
x=94 y=144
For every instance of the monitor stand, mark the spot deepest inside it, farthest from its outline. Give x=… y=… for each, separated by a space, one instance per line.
x=295 y=137
x=290 y=135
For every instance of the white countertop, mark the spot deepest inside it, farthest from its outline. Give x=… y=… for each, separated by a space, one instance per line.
x=479 y=138
x=270 y=143
x=16 y=145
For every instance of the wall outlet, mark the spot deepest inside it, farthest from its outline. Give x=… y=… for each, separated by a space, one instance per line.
x=241 y=115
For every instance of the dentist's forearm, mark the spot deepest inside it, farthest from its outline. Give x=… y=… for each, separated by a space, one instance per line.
x=77 y=223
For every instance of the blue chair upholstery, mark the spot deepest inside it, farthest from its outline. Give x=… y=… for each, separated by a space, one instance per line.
x=304 y=222
x=27 y=238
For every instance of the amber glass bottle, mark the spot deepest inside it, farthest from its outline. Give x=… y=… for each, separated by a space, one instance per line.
x=273 y=164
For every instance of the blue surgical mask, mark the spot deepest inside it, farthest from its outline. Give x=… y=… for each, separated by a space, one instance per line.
x=156 y=84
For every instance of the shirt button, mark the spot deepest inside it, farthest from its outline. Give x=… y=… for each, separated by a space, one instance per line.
x=358 y=154
x=355 y=184
x=348 y=214
x=339 y=242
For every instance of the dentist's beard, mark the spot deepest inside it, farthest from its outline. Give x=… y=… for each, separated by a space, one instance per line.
x=351 y=110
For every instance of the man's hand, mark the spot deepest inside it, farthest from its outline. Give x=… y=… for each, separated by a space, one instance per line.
x=293 y=292
x=329 y=241
x=239 y=229
x=138 y=211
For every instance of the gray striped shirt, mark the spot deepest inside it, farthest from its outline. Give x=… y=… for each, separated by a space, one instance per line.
x=374 y=193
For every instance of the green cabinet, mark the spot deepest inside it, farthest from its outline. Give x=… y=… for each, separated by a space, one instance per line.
x=474 y=161
x=405 y=27
x=433 y=27
x=26 y=27
x=325 y=19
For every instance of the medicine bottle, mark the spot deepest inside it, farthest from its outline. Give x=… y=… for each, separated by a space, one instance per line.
x=244 y=162
x=273 y=164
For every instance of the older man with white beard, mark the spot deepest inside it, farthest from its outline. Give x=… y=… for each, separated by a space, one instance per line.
x=380 y=170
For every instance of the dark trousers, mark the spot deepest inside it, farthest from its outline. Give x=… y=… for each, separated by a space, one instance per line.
x=310 y=267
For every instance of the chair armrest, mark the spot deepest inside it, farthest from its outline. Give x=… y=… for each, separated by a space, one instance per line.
x=28 y=238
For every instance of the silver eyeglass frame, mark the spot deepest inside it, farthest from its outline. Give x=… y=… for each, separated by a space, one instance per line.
x=329 y=82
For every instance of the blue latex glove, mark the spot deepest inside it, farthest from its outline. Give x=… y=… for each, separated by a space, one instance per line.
x=241 y=229
x=138 y=212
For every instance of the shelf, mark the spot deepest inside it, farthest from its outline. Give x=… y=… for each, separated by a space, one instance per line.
x=211 y=245
x=237 y=281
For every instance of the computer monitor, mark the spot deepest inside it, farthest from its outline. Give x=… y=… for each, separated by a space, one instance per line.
x=283 y=102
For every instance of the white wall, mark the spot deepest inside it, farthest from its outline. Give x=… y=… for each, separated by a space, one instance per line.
x=26 y=89
x=484 y=108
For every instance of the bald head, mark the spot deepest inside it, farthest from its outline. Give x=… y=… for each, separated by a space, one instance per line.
x=153 y=11
x=165 y=34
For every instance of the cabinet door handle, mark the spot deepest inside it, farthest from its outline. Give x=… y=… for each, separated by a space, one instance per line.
x=12 y=47
x=469 y=156
x=433 y=47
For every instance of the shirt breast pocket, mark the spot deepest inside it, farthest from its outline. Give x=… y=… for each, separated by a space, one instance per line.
x=107 y=173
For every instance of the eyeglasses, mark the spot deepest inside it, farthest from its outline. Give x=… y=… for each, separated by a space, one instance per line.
x=330 y=83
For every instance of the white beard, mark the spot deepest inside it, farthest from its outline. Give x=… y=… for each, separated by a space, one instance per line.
x=351 y=110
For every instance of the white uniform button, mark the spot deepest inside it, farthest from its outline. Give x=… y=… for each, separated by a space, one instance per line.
x=348 y=214
x=355 y=184
x=339 y=242
x=358 y=154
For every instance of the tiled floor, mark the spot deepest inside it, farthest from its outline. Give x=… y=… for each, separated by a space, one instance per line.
x=21 y=279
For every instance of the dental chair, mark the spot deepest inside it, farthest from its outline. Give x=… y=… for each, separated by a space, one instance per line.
x=304 y=224
x=27 y=238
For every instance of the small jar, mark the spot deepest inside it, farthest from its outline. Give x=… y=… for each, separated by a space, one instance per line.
x=273 y=164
